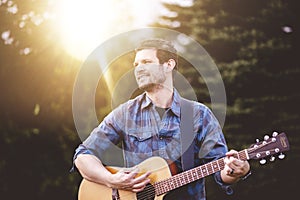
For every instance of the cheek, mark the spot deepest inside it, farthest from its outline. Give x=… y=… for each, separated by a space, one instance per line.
x=135 y=72
x=160 y=76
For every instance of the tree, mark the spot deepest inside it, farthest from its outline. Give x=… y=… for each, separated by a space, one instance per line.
x=36 y=128
x=254 y=45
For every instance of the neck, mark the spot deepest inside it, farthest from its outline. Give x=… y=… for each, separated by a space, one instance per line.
x=161 y=96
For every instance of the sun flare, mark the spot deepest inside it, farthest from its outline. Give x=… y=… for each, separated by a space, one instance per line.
x=83 y=24
x=86 y=24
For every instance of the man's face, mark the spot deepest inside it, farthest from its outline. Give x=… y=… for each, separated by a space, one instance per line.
x=148 y=72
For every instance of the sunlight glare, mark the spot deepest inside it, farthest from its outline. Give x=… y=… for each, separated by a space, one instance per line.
x=84 y=24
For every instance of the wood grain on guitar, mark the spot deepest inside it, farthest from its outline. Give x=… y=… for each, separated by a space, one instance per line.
x=162 y=181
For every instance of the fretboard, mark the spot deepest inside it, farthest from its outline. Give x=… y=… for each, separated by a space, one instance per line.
x=194 y=174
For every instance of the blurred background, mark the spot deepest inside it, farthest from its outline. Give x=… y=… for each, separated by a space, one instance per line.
x=44 y=43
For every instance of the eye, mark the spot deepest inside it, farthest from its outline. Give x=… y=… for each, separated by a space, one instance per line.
x=146 y=61
x=143 y=62
x=135 y=64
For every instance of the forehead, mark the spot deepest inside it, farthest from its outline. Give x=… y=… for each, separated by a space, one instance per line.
x=149 y=54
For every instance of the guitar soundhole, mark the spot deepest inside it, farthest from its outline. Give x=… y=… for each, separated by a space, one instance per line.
x=147 y=194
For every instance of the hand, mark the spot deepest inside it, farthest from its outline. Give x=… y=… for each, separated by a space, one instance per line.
x=234 y=167
x=127 y=179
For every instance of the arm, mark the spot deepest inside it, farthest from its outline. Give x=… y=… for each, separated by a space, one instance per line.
x=215 y=146
x=92 y=169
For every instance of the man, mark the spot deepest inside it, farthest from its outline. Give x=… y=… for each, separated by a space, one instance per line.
x=149 y=125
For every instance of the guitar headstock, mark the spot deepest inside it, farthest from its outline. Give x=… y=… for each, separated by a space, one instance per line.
x=276 y=144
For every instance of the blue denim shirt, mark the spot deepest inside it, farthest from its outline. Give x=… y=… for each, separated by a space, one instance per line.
x=143 y=133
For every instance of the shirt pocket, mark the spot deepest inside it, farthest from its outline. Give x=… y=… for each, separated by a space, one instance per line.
x=138 y=146
x=140 y=136
x=139 y=141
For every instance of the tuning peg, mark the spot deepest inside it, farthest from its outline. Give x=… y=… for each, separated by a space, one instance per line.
x=274 y=134
x=281 y=156
x=257 y=140
x=266 y=137
x=272 y=158
x=262 y=161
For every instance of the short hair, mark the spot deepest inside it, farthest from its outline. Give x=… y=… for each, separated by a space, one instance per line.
x=165 y=49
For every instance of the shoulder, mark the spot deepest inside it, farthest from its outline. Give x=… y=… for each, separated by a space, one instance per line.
x=131 y=104
x=201 y=112
x=198 y=107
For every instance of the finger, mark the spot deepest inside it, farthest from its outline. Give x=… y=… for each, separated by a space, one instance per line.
x=230 y=167
x=127 y=170
x=227 y=169
x=229 y=163
x=132 y=174
x=238 y=163
x=231 y=152
x=141 y=185
x=142 y=177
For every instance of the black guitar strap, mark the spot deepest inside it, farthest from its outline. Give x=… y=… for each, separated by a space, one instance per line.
x=187 y=134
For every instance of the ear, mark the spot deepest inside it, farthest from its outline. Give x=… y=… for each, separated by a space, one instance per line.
x=171 y=64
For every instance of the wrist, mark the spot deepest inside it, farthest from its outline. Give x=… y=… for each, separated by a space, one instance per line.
x=246 y=175
x=110 y=180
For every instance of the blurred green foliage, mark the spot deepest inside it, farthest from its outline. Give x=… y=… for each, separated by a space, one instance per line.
x=255 y=48
x=253 y=42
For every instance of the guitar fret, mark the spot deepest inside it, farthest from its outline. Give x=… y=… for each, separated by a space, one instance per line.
x=200 y=172
x=191 y=175
x=164 y=188
x=209 y=166
x=243 y=155
x=204 y=171
x=221 y=163
x=215 y=166
x=183 y=178
x=177 y=181
x=218 y=165
x=194 y=174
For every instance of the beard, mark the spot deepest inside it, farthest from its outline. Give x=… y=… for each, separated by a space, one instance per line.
x=150 y=77
x=148 y=87
x=148 y=84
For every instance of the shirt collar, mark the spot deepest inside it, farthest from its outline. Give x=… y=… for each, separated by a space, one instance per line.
x=175 y=106
x=146 y=101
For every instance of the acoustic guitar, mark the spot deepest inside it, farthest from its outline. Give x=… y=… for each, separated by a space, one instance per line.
x=162 y=181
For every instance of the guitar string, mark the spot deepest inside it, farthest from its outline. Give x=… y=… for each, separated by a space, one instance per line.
x=189 y=178
x=149 y=192
x=145 y=195
x=253 y=149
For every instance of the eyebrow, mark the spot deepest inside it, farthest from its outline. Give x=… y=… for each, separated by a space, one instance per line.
x=143 y=60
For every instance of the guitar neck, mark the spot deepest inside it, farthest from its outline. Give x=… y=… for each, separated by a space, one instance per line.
x=194 y=174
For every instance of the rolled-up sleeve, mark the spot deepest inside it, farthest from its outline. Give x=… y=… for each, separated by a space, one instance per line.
x=81 y=149
x=101 y=138
x=226 y=187
x=214 y=146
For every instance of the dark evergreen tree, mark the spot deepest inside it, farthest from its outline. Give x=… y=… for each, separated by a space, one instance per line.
x=254 y=46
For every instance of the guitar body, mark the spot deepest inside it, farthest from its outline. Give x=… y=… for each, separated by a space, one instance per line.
x=158 y=166
x=161 y=180
x=92 y=191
